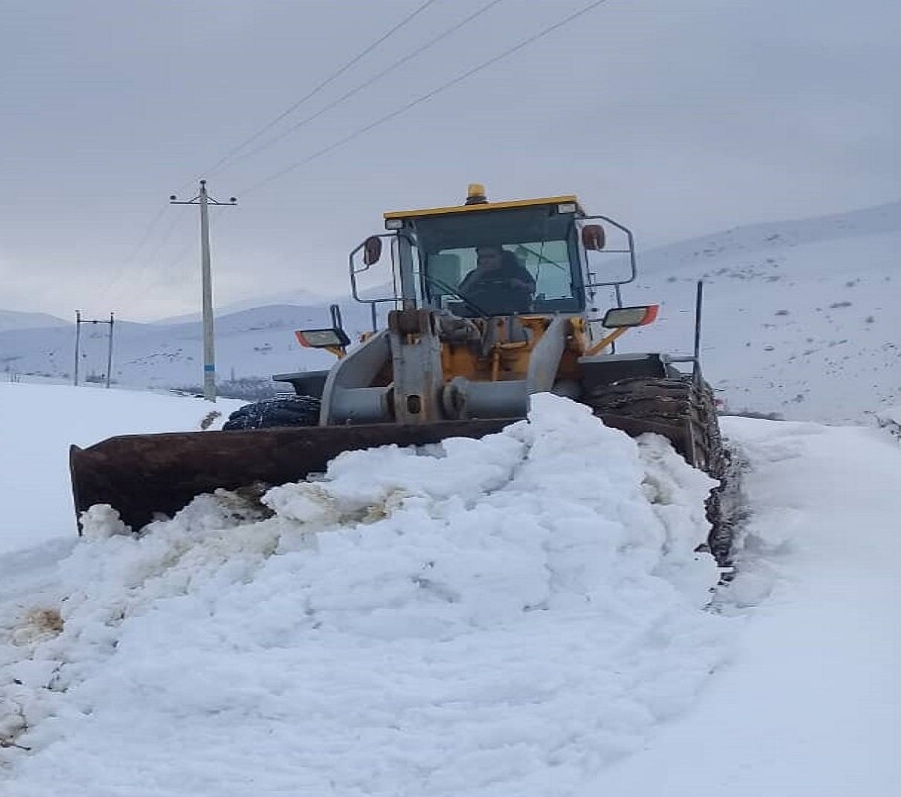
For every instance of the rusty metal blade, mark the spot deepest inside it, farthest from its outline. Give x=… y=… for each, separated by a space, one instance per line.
x=142 y=475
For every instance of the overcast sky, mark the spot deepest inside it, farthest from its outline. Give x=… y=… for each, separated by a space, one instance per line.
x=676 y=118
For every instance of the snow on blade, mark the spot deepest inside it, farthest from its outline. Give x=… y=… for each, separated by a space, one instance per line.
x=481 y=617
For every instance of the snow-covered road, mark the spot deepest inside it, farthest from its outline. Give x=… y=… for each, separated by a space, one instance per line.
x=811 y=704
x=523 y=614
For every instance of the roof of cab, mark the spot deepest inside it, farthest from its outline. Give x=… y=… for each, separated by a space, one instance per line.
x=482 y=206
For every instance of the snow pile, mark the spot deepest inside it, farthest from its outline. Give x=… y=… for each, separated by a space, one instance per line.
x=890 y=419
x=481 y=617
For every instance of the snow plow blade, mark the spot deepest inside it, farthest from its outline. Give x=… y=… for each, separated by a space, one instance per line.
x=143 y=476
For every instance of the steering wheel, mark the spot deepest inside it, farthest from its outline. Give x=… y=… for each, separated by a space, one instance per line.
x=444 y=287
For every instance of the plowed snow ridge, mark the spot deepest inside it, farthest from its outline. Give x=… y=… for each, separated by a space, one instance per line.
x=479 y=618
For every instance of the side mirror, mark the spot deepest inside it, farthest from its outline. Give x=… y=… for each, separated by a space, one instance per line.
x=372 y=250
x=630 y=316
x=593 y=238
x=322 y=338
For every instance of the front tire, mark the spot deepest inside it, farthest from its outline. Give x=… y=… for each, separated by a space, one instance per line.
x=684 y=411
x=276 y=411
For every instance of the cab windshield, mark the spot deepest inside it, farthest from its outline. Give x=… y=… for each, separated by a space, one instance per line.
x=534 y=248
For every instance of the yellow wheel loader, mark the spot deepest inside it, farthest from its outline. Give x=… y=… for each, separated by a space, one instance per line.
x=482 y=305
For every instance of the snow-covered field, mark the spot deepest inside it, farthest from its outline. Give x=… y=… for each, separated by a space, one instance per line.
x=519 y=615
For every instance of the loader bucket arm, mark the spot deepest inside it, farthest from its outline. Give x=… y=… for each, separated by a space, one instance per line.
x=142 y=476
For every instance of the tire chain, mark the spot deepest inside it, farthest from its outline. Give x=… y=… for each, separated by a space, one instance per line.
x=276 y=411
x=689 y=409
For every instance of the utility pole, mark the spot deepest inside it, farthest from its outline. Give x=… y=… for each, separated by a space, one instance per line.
x=209 y=357
x=109 y=353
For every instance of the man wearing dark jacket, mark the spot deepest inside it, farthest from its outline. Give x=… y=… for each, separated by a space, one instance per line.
x=499 y=283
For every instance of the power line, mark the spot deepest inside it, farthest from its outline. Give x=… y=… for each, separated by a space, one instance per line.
x=121 y=271
x=180 y=257
x=151 y=227
x=388 y=117
x=179 y=260
x=346 y=96
x=146 y=237
x=230 y=155
x=155 y=252
x=316 y=89
x=164 y=238
x=413 y=103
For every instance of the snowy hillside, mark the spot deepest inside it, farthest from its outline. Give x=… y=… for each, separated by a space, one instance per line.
x=12 y=320
x=299 y=298
x=800 y=320
x=250 y=343
x=523 y=614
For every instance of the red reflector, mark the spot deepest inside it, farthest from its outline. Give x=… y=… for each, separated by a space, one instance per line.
x=651 y=315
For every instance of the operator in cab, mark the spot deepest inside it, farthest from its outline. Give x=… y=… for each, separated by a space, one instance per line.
x=499 y=283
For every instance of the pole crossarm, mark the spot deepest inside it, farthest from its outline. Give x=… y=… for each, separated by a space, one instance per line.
x=174 y=200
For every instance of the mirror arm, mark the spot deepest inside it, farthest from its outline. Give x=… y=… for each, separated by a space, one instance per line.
x=607 y=340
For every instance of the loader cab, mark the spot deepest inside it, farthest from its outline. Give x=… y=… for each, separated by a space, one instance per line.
x=547 y=243
x=490 y=260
